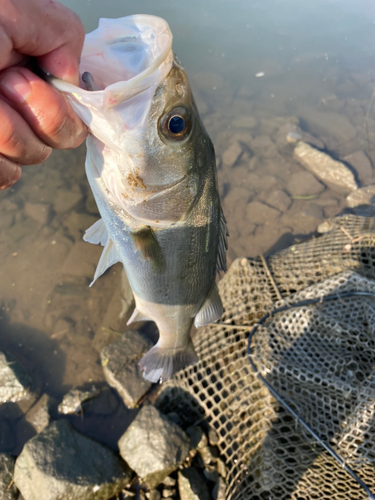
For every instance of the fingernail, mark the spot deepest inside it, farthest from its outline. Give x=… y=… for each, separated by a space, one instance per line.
x=15 y=86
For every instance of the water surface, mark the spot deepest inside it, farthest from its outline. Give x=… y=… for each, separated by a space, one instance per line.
x=315 y=63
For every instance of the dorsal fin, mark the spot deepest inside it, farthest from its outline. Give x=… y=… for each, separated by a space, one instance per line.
x=221 y=263
x=211 y=310
x=109 y=257
x=97 y=233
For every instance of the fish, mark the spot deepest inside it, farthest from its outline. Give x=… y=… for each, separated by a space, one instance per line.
x=152 y=170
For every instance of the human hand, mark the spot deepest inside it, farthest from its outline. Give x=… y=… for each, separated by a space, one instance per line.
x=34 y=117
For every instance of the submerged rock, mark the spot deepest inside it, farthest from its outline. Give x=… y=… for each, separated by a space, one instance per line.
x=39 y=415
x=153 y=446
x=72 y=401
x=362 y=165
x=8 y=491
x=191 y=485
x=120 y=365
x=325 y=167
x=62 y=464
x=301 y=184
x=362 y=196
x=14 y=382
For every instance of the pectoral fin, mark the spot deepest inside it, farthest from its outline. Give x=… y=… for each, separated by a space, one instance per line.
x=109 y=257
x=211 y=310
x=147 y=244
x=97 y=233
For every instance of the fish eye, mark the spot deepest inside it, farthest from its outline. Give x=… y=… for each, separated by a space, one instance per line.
x=176 y=125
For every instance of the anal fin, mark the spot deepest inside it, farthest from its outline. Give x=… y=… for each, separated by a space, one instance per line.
x=137 y=316
x=147 y=244
x=109 y=257
x=211 y=310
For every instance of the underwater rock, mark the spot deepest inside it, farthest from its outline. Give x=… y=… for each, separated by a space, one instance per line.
x=120 y=365
x=362 y=165
x=38 y=211
x=72 y=401
x=191 y=485
x=65 y=200
x=153 y=446
x=62 y=463
x=8 y=491
x=304 y=184
x=260 y=213
x=324 y=167
x=232 y=154
x=14 y=381
x=326 y=123
x=279 y=199
x=245 y=122
x=362 y=196
x=39 y=415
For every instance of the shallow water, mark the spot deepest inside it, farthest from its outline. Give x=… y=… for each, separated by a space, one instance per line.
x=318 y=70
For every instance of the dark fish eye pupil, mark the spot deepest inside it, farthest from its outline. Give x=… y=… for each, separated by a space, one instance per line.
x=176 y=124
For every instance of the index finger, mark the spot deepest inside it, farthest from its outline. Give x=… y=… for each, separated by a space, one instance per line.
x=44 y=29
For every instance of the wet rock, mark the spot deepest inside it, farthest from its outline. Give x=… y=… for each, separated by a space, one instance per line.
x=38 y=211
x=323 y=123
x=221 y=468
x=197 y=436
x=191 y=486
x=232 y=154
x=62 y=463
x=82 y=260
x=218 y=493
x=14 y=381
x=325 y=167
x=120 y=365
x=72 y=401
x=174 y=417
x=362 y=166
x=153 y=446
x=7 y=435
x=304 y=184
x=279 y=200
x=259 y=213
x=39 y=415
x=213 y=437
x=8 y=491
x=65 y=200
x=362 y=196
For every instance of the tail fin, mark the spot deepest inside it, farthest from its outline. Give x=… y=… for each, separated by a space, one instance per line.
x=160 y=364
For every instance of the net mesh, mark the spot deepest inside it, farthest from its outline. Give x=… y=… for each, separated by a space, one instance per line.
x=320 y=358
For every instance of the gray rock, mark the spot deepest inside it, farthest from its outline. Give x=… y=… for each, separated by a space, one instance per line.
x=14 y=382
x=197 y=436
x=153 y=446
x=120 y=365
x=303 y=184
x=7 y=435
x=39 y=414
x=259 y=213
x=211 y=473
x=38 y=211
x=324 y=167
x=8 y=491
x=362 y=166
x=218 y=493
x=168 y=492
x=362 y=196
x=191 y=486
x=62 y=464
x=72 y=401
